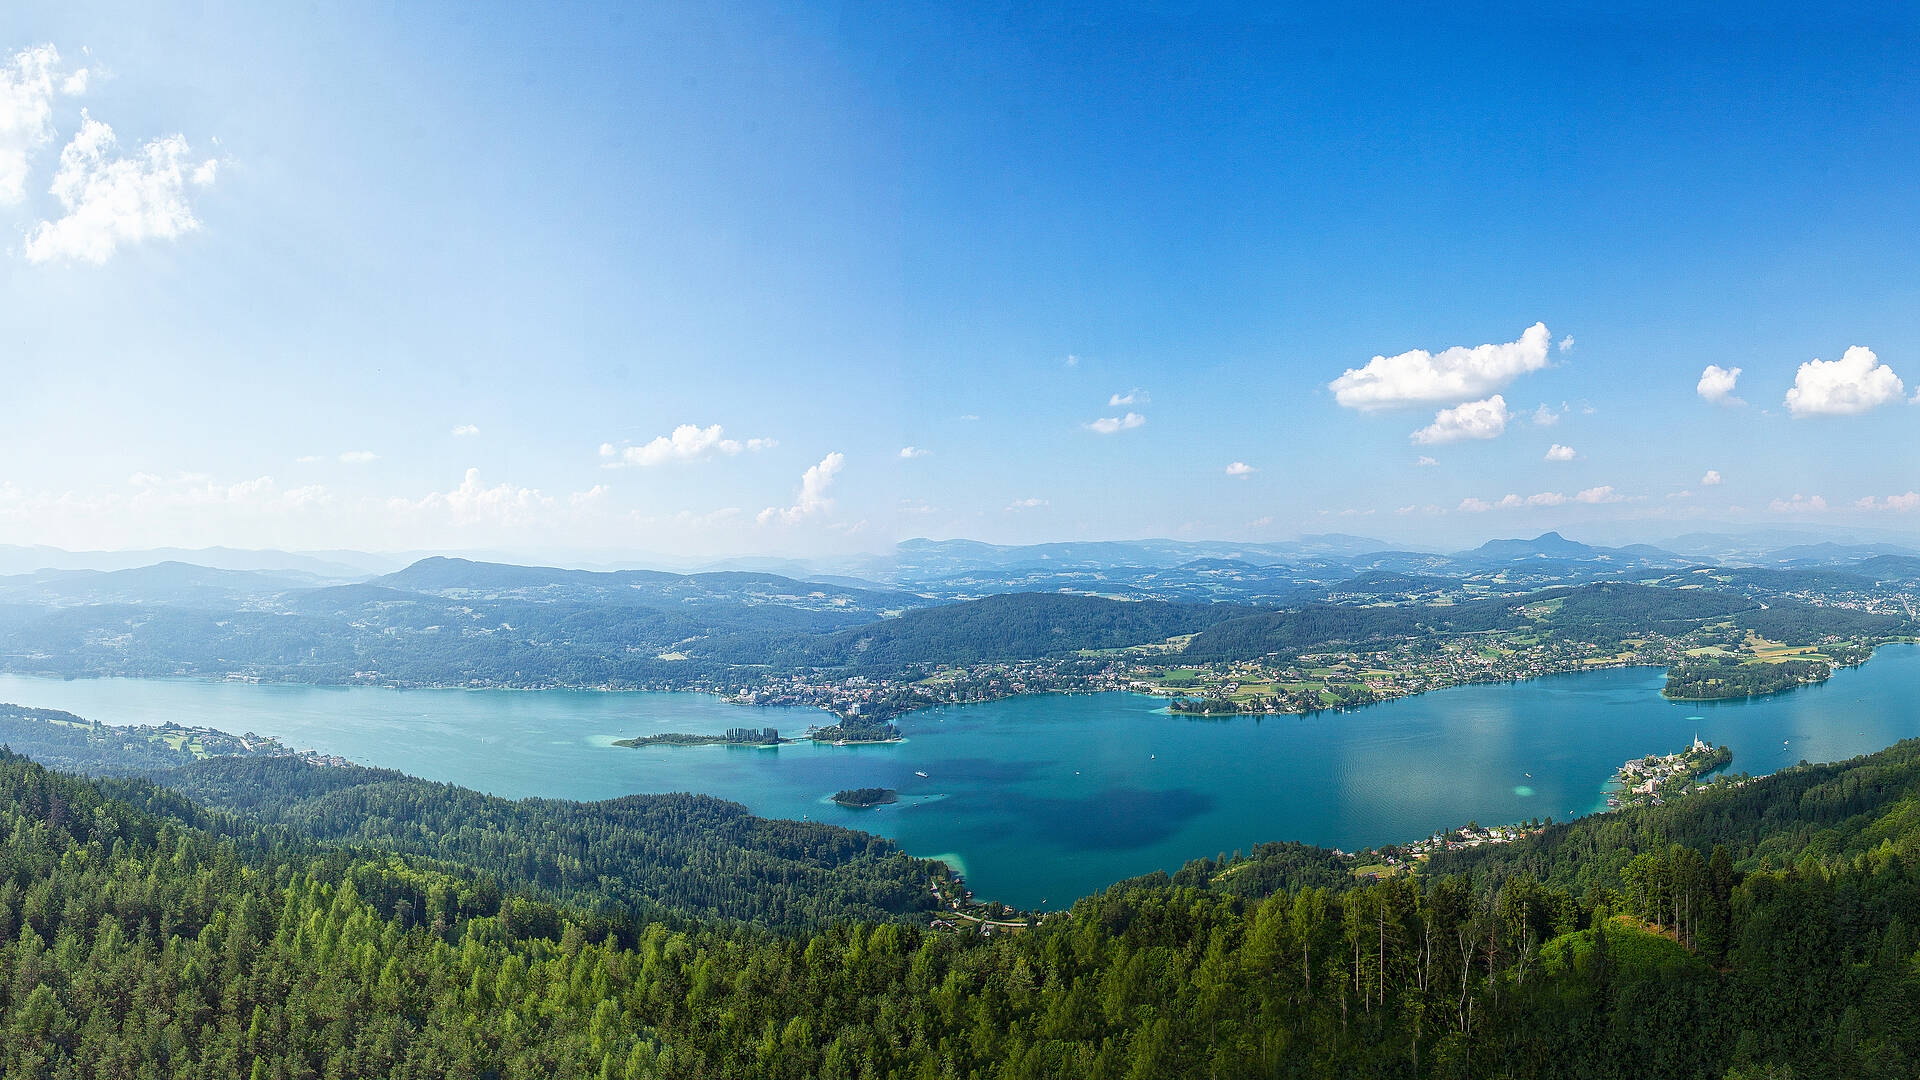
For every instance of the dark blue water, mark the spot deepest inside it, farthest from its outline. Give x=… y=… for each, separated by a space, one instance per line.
x=1045 y=799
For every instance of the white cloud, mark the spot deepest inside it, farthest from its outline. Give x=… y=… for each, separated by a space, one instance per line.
x=1710 y=478
x=465 y=430
x=1424 y=462
x=1799 y=504
x=688 y=442
x=1716 y=385
x=1681 y=494
x=1420 y=377
x=1566 y=343
x=910 y=452
x=1556 y=452
x=1473 y=420
x=1544 y=498
x=1901 y=503
x=1852 y=384
x=1593 y=495
x=359 y=457
x=1135 y=396
x=310 y=459
x=1107 y=425
x=26 y=113
x=111 y=200
x=812 y=499
x=1544 y=416
x=1241 y=469
x=1071 y=360
x=472 y=503
x=1018 y=505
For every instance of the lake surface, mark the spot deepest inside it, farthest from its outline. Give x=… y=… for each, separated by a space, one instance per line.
x=1045 y=799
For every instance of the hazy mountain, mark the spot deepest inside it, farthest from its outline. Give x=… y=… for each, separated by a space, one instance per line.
x=337 y=565
x=161 y=583
x=466 y=579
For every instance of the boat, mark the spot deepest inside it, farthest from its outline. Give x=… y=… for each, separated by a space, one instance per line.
x=920 y=774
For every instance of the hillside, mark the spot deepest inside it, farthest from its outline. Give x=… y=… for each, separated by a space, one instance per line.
x=279 y=956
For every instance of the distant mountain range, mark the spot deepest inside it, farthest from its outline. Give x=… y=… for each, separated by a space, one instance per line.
x=922 y=571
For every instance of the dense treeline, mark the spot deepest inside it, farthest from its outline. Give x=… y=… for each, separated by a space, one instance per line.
x=630 y=859
x=1706 y=678
x=1832 y=812
x=133 y=946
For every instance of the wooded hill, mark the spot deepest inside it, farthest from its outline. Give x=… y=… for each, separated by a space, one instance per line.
x=1758 y=931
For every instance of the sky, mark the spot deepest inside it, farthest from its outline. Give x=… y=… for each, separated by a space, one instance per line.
x=802 y=279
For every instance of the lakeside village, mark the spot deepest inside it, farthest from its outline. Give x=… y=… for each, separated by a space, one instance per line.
x=1307 y=683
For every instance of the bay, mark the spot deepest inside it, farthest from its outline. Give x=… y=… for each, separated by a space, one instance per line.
x=1041 y=800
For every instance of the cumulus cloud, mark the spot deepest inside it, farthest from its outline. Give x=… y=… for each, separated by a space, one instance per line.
x=359 y=457
x=812 y=499
x=1135 y=396
x=910 y=452
x=1424 y=462
x=28 y=82
x=1241 y=469
x=1420 y=377
x=1071 y=360
x=1107 y=425
x=1544 y=416
x=1566 y=343
x=1852 y=384
x=1018 y=505
x=688 y=442
x=1799 y=504
x=475 y=503
x=1591 y=496
x=1716 y=385
x=1710 y=478
x=110 y=200
x=1902 y=503
x=465 y=430
x=1556 y=452
x=1473 y=420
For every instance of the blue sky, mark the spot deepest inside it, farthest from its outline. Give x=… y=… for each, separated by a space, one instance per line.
x=321 y=242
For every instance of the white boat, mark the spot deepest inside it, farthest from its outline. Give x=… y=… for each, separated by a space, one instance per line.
x=921 y=775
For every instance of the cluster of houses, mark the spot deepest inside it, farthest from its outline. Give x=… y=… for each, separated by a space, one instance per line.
x=1649 y=779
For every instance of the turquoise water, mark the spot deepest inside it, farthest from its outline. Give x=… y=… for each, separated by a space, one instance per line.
x=1046 y=799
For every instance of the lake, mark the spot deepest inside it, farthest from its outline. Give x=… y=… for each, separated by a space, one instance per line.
x=1041 y=800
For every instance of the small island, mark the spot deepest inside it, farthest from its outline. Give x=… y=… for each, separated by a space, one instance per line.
x=857 y=729
x=866 y=797
x=733 y=737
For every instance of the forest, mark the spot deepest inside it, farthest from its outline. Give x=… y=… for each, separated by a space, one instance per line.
x=1710 y=679
x=1759 y=929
